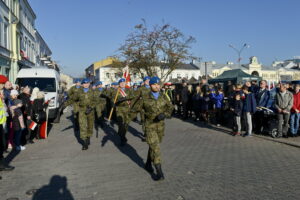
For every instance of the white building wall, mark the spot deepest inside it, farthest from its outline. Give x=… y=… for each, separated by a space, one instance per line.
x=108 y=75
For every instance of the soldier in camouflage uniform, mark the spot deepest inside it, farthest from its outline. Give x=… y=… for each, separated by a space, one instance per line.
x=86 y=100
x=122 y=106
x=136 y=107
x=101 y=103
x=157 y=107
x=73 y=91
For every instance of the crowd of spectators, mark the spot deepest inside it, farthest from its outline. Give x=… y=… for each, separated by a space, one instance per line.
x=22 y=111
x=242 y=107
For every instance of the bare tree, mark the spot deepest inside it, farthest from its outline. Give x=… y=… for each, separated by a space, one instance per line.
x=156 y=51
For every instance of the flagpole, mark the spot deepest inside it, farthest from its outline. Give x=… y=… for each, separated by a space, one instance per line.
x=112 y=109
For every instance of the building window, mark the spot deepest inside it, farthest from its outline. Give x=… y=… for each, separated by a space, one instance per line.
x=6 y=72
x=107 y=75
x=5 y=35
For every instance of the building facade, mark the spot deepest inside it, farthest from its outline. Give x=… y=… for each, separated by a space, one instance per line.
x=42 y=51
x=5 y=38
x=270 y=73
x=103 y=70
x=21 y=45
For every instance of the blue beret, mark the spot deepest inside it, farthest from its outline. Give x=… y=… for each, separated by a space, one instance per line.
x=135 y=84
x=99 y=83
x=114 y=83
x=77 y=80
x=86 y=80
x=122 y=80
x=154 y=80
x=146 y=78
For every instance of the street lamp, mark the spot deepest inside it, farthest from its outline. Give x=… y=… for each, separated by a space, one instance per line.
x=239 y=52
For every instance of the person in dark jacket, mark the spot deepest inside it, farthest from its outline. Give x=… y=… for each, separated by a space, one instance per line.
x=184 y=98
x=236 y=108
x=218 y=105
x=38 y=113
x=26 y=110
x=197 y=103
x=249 y=107
x=262 y=97
x=205 y=101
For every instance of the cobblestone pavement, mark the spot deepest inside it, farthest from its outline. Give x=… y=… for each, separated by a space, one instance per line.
x=199 y=163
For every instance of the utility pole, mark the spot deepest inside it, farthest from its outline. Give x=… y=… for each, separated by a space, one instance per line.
x=206 y=76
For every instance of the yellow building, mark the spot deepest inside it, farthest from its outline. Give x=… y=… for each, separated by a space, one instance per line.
x=94 y=70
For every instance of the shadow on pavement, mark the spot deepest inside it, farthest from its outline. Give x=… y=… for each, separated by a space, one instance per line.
x=76 y=132
x=56 y=190
x=128 y=150
x=135 y=132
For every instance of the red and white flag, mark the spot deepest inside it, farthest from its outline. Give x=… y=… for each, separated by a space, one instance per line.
x=32 y=125
x=126 y=75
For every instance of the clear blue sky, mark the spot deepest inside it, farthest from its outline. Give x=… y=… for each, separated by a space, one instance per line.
x=80 y=32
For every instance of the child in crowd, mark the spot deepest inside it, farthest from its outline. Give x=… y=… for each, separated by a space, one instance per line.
x=236 y=108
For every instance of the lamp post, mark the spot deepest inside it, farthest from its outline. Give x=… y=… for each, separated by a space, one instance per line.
x=239 y=51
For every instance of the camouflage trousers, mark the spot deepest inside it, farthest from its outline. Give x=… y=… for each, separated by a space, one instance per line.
x=86 y=124
x=154 y=135
x=123 y=120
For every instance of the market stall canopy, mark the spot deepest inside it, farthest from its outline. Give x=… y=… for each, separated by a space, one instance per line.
x=236 y=76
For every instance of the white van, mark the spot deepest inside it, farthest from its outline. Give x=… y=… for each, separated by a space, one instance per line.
x=48 y=81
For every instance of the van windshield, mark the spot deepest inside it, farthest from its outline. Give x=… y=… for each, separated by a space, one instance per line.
x=44 y=84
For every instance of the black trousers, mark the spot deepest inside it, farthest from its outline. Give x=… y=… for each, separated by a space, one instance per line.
x=2 y=141
x=259 y=121
x=185 y=110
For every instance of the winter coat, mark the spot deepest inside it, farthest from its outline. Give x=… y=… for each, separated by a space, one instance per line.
x=285 y=102
x=237 y=107
x=249 y=103
x=184 y=95
x=262 y=98
x=27 y=105
x=296 y=102
x=197 y=101
x=205 y=103
x=218 y=100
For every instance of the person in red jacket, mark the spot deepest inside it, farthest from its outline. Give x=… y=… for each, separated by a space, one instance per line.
x=295 y=112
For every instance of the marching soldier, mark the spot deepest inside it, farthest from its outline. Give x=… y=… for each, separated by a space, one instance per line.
x=157 y=107
x=86 y=100
x=122 y=106
x=101 y=103
x=141 y=91
x=73 y=91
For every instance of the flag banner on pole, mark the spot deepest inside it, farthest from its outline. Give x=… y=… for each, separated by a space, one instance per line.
x=126 y=75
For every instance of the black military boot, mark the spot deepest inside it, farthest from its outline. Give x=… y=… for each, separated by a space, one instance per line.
x=85 y=145
x=4 y=166
x=159 y=176
x=148 y=165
